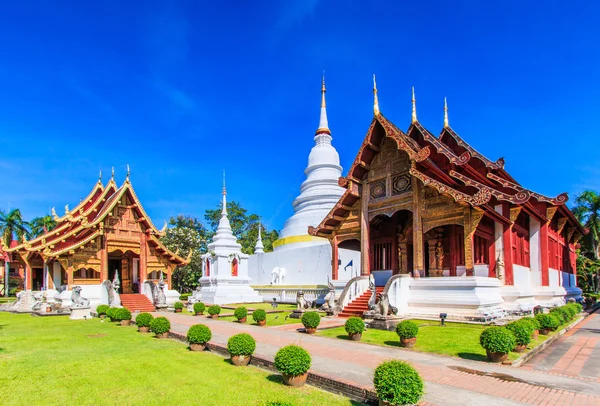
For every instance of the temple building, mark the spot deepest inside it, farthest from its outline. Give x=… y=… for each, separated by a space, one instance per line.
x=464 y=232
x=108 y=232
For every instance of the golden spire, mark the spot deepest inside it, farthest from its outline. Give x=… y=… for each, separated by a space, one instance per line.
x=224 y=189
x=128 y=172
x=100 y=177
x=112 y=176
x=376 y=100
x=446 y=125
x=414 y=106
x=323 y=124
x=323 y=90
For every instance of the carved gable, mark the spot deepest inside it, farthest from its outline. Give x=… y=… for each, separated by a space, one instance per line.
x=388 y=175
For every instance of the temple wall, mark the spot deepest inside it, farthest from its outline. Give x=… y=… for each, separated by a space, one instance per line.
x=522 y=277
x=554 y=277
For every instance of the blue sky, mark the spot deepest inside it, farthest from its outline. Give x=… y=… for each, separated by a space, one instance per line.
x=182 y=90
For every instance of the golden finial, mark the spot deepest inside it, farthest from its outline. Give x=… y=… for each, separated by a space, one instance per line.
x=128 y=172
x=112 y=176
x=376 y=100
x=414 y=106
x=323 y=90
x=164 y=229
x=224 y=189
x=66 y=209
x=100 y=177
x=54 y=215
x=446 y=125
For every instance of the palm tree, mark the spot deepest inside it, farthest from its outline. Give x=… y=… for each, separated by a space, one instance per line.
x=12 y=225
x=587 y=211
x=41 y=225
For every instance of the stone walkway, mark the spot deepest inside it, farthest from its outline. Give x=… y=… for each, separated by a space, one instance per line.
x=449 y=381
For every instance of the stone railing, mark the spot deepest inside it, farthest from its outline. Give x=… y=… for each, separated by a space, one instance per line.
x=353 y=289
x=397 y=290
x=288 y=294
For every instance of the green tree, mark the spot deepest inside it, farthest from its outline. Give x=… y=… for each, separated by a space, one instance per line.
x=40 y=225
x=12 y=226
x=184 y=234
x=587 y=211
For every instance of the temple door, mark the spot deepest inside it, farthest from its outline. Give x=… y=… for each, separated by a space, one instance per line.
x=234 y=267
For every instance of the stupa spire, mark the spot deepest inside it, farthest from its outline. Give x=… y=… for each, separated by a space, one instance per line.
x=446 y=123
x=323 y=123
x=376 y=99
x=259 y=248
x=414 y=106
x=224 y=209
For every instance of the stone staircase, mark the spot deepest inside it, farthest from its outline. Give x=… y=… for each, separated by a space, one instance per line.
x=137 y=302
x=359 y=305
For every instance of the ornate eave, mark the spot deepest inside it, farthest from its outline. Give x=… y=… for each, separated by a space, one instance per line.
x=448 y=132
x=173 y=256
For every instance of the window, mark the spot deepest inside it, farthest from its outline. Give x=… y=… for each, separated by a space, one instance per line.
x=520 y=240
x=86 y=274
x=481 y=250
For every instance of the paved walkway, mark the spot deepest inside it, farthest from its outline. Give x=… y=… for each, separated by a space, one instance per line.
x=449 y=381
x=576 y=354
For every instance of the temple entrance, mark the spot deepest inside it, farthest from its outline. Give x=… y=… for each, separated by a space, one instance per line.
x=37 y=278
x=114 y=266
x=128 y=265
x=444 y=251
x=391 y=242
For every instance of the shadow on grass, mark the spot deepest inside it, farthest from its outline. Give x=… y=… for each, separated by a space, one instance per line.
x=343 y=337
x=393 y=343
x=275 y=378
x=472 y=356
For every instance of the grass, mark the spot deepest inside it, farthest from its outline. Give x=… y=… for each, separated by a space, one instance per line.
x=455 y=340
x=7 y=299
x=264 y=305
x=93 y=363
x=273 y=319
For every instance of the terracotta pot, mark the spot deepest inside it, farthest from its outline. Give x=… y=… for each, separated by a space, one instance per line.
x=384 y=403
x=102 y=316
x=125 y=322
x=178 y=310
x=240 y=360
x=243 y=320
x=198 y=347
x=408 y=342
x=545 y=331
x=144 y=329
x=262 y=323
x=496 y=356
x=310 y=330
x=535 y=334
x=199 y=313
x=163 y=335
x=48 y=309
x=295 y=381
x=214 y=316
x=520 y=348
x=355 y=336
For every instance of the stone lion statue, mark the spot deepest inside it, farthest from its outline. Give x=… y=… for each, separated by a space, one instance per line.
x=383 y=306
x=77 y=299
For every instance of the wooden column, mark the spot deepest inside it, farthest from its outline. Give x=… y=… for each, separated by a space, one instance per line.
x=452 y=242
x=472 y=218
x=365 y=249
x=492 y=259
x=507 y=243
x=418 y=257
x=395 y=249
x=544 y=254
x=143 y=258
x=334 y=258
x=28 y=278
x=169 y=275
x=103 y=259
x=70 y=272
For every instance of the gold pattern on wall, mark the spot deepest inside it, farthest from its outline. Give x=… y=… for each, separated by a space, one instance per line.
x=561 y=224
x=550 y=212
x=514 y=213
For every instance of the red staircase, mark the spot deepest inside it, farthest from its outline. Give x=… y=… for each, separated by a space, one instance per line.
x=136 y=302
x=359 y=305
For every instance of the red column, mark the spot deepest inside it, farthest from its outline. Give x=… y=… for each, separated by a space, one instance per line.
x=143 y=258
x=492 y=258
x=365 y=249
x=453 y=250
x=507 y=242
x=544 y=252
x=334 y=258
x=28 y=276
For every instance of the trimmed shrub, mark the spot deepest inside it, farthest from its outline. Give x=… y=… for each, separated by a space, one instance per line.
x=178 y=305
x=240 y=313
x=548 y=321
x=561 y=314
x=398 y=383
x=354 y=325
x=100 y=310
x=259 y=315
x=144 y=319
x=160 y=325
x=199 y=334
x=199 y=307
x=533 y=323
x=184 y=296
x=497 y=339
x=214 y=309
x=577 y=307
x=571 y=310
x=111 y=312
x=521 y=330
x=292 y=360
x=311 y=319
x=407 y=329
x=122 y=314
x=241 y=344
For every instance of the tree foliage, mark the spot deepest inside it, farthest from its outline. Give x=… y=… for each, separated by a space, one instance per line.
x=40 y=225
x=587 y=211
x=12 y=226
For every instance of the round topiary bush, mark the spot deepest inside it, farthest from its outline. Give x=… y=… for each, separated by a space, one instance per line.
x=240 y=313
x=292 y=360
x=144 y=319
x=214 y=309
x=354 y=325
x=311 y=320
x=521 y=329
x=548 y=322
x=259 y=315
x=160 y=326
x=398 y=383
x=497 y=340
x=111 y=313
x=199 y=308
x=241 y=344
x=178 y=306
x=122 y=314
x=533 y=323
x=407 y=329
x=571 y=310
x=561 y=314
x=578 y=307
x=199 y=334
x=101 y=310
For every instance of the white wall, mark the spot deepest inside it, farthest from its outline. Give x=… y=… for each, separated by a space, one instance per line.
x=521 y=276
x=554 y=277
x=535 y=257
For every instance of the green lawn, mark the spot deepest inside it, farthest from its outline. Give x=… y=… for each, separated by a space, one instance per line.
x=57 y=361
x=273 y=319
x=264 y=305
x=455 y=340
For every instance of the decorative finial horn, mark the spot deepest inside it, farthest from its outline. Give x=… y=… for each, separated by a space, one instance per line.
x=376 y=100
x=112 y=173
x=128 y=173
x=446 y=124
x=100 y=176
x=414 y=106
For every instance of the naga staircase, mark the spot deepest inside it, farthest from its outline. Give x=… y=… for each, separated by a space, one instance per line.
x=137 y=302
x=359 y=305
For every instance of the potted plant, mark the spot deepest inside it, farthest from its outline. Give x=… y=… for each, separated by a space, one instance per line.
x=240 y=314
x=260 y=317
x=214 y=311
x=100 y=310
x=397 y=383
x=143 y=321
x=198 y=335
x=123 y=315
x=241 y=347
x=548 y=323
x=354 y=327
x=199 y=308
x=160 y=326
x=293 y=362
x=178 y=306
x=111 y=313
x=534 y=326
x=521 y=329
x=497 y=342
x=407 y=332
x=311 y=321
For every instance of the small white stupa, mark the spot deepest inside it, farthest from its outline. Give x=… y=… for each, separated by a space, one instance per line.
x=225 y=268
x=259 y=248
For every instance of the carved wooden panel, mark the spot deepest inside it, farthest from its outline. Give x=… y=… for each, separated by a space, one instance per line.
x=378 y=189
x=401 y=184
